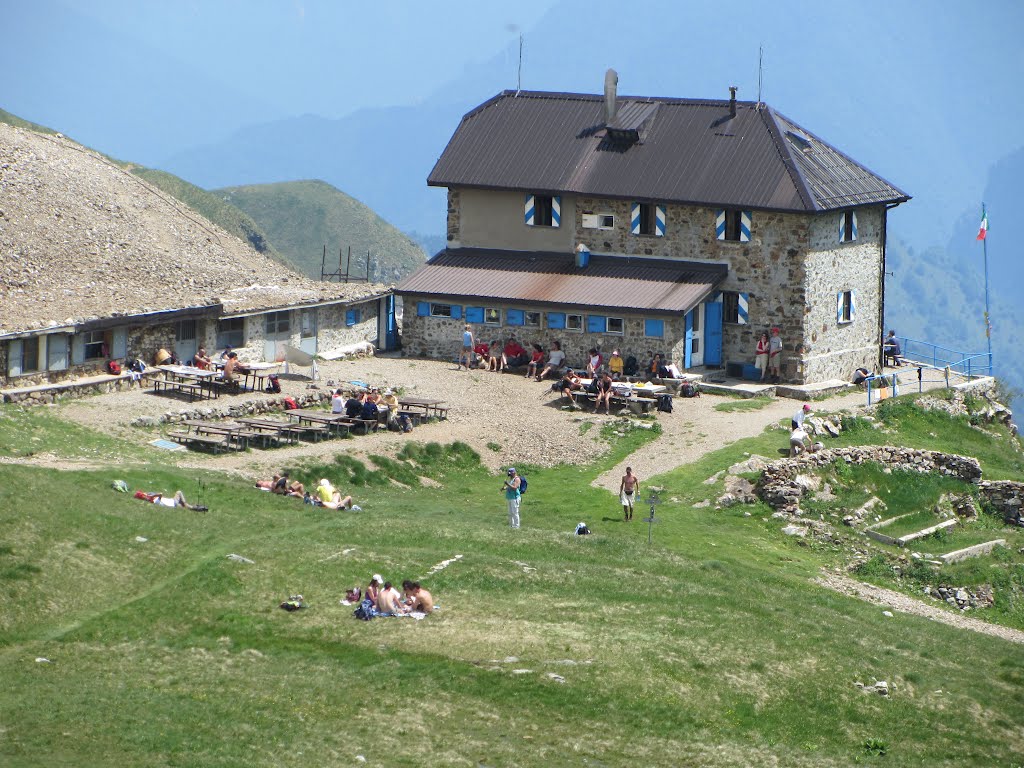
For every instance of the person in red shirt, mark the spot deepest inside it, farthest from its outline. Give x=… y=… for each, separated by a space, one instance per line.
x=514 y=355
x=536 y=361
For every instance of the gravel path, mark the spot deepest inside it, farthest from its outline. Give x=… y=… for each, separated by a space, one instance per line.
x=906 y=604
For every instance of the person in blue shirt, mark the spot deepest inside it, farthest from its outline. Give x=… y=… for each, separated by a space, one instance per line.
x=512 y=496
x=467 y=347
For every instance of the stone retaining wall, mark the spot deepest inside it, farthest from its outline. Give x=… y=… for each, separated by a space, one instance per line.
x=778 y=485
x=74 y=389
x=1006 y=497
x=234 y=410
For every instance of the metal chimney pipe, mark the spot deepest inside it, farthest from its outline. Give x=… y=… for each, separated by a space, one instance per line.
x=611 y=83
x=732 y=101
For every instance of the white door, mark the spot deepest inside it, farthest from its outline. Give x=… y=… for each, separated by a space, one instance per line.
x=185 y=341
x=697 y=340
x=308 y=332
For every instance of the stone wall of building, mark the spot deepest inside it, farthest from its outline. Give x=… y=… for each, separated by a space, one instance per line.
x=441 y=337
x=791 y=269
x=834 y=350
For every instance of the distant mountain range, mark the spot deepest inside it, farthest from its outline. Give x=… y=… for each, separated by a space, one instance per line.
x=301 y=218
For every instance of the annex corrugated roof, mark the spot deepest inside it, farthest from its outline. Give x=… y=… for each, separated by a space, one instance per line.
x=607 y=282
x=690 y=152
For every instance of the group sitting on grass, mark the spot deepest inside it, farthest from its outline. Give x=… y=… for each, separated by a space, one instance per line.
x=382 y=599
x=325 y=495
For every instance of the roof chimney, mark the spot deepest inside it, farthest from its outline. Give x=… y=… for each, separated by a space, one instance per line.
x=611 y=82
x=732 y=101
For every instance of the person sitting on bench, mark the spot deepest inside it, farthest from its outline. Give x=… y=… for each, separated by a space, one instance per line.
x=233 y=366
x=556 y=358
x=570 y=383
x=891 y=350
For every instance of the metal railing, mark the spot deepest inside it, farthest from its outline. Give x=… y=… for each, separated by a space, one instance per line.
x=931 y=355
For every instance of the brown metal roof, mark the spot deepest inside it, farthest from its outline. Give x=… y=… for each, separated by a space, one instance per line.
x=690 y=151
x=552 y=279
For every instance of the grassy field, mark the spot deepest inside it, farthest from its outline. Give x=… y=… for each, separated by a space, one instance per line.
x=710 y=646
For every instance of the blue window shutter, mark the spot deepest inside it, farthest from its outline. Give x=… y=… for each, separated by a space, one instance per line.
x=839 y=307
x=742 y=308
x=745 y=226
x=634 y=219
x=720 y=224
x=659 y=221
x=556 y=211
x=474 y=314
x=529 y=210
x=596 y=323
x=514 y=317
x=350 y=317
x=842 y=226
x=853 y=304
x=853 y=217
x=77 y=349
x=456 y=311
x=422 y=309
x=15 y=357
x=120 y=343
x=556 y=320
x=654 y=328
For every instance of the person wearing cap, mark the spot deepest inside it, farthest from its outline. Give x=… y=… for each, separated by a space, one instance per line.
x=616 y=365
x=373 y=589
x=512 y=496
x=798 y=419
x=775 y=356
x=331 y=498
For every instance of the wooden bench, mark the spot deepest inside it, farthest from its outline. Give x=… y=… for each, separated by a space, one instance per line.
x=192 y=439
x=366 y=424
x=193 y=391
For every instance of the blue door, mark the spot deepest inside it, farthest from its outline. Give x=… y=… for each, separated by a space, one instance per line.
x=391 y=328
x=713 y=333
x=688 y=354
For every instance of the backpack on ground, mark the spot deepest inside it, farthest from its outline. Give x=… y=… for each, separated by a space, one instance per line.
x=665 y=403
x=522 y=485
x=273 y=384
x=365 y=611
x=290 y=404
x=689 y=389
x=114 y=368
x=629 y=368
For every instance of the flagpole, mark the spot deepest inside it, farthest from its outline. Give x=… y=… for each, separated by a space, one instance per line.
x=988 y=321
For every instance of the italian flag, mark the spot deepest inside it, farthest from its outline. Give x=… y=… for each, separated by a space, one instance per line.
x=983 y=229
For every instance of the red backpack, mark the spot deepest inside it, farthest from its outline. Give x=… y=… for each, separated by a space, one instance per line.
x=114 y=368
x=290 y=404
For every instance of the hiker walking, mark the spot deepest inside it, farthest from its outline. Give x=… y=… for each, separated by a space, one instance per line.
x=628 y=489
x=512 y=496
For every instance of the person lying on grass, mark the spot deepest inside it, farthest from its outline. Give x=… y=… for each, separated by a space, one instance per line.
x=328 y=496
x=280 y=484
x=178 y=500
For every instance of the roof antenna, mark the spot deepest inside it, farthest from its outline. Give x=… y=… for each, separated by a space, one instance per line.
x=519 y=76
x=760 y=58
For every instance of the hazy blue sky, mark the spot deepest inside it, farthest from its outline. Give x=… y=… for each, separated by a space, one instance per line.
x=925 y=92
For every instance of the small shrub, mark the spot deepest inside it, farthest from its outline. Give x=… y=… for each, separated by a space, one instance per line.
x=875 y=747
x=494 y=447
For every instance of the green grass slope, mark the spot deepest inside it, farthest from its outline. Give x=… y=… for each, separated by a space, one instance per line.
x=301 y=217
x=709 y=646
x=213 y=207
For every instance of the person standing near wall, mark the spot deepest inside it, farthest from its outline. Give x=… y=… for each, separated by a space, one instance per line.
x=467 y=347
x=775 y=356
x=512 y=496
x=761 y=354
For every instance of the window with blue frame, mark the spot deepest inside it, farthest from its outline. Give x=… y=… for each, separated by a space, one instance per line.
x=574 y=323
x=514 y=317
x=351 y=317
x=654 y=329
x=474 y=314
x=531 y=319
x=556 y=320
x=492 y=316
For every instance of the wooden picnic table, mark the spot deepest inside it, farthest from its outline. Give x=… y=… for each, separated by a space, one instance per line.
x=252 y=377
x=287 y=429
x=336 y=421
x=238 y=433
x=430 y=406
x=187 y=380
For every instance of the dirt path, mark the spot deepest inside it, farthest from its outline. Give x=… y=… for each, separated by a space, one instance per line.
x=906 y=604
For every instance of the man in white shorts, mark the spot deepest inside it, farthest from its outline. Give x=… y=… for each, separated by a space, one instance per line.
x=628 y=490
